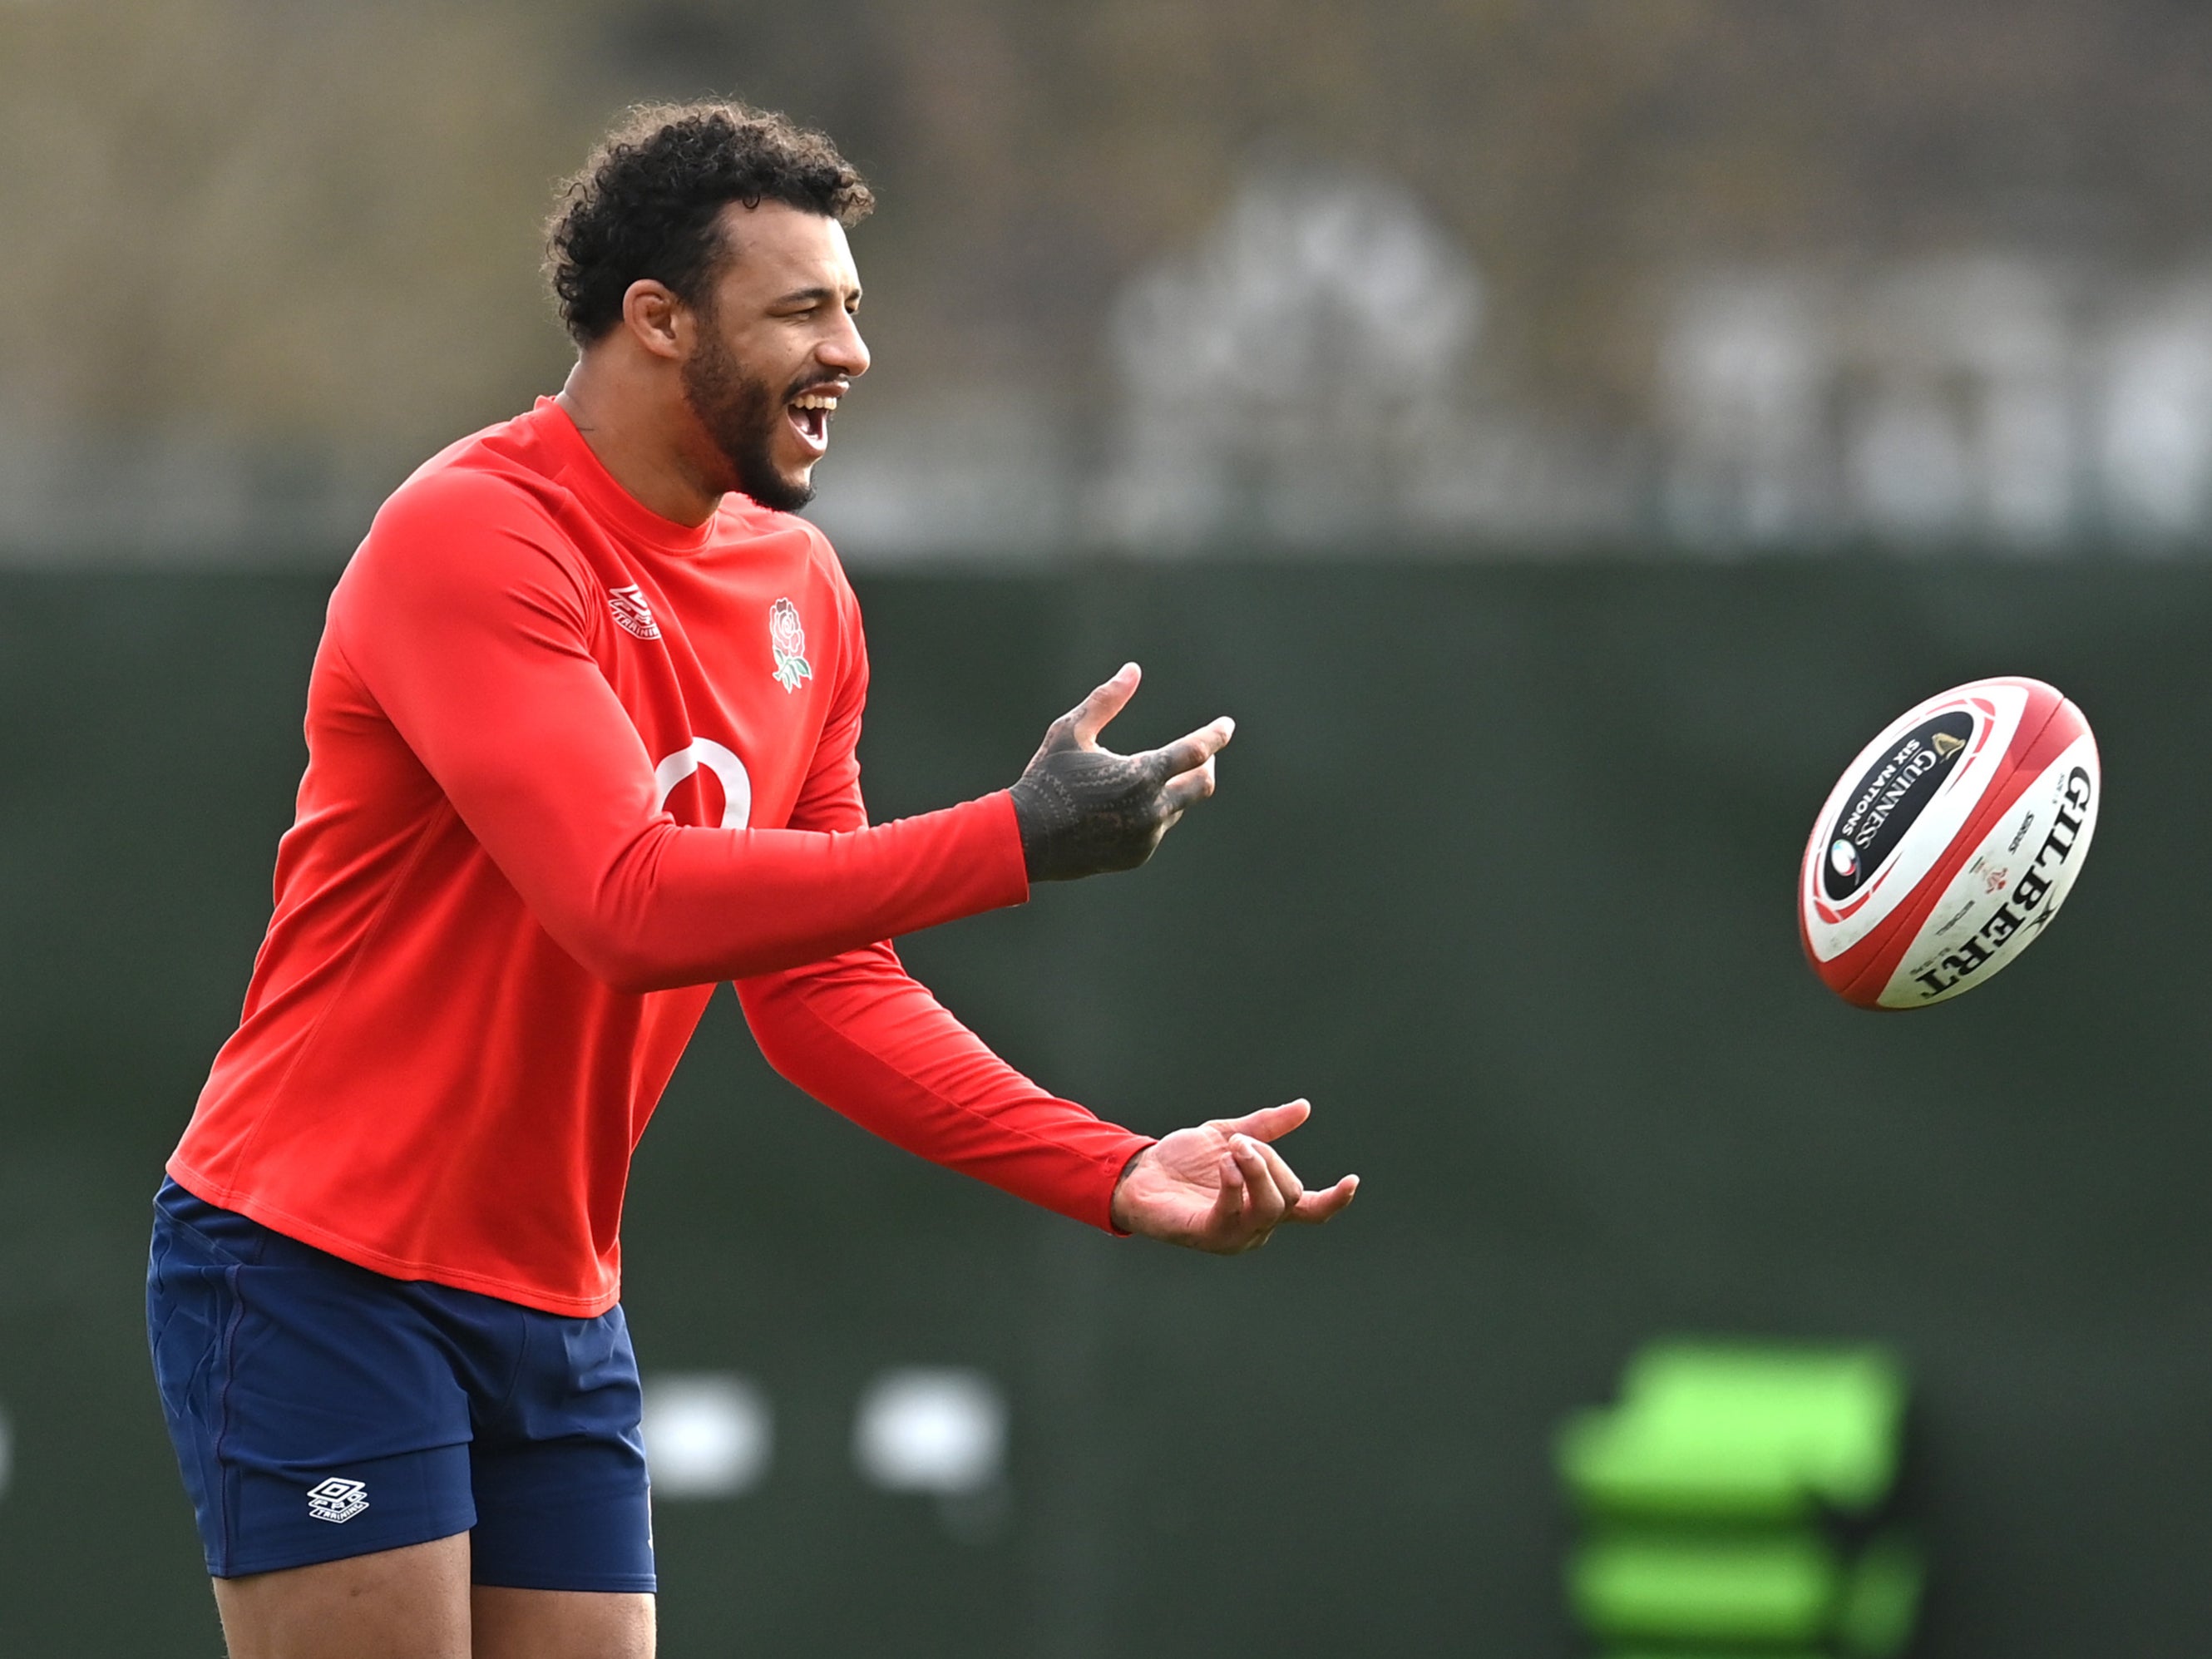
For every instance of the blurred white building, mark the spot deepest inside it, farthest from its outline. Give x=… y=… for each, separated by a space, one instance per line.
x=1286 y=380
x=2002 y=402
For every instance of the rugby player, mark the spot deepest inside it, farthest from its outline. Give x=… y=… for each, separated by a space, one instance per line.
x=581 y=739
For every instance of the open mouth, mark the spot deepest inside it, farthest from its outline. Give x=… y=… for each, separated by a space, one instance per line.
x=809 y=413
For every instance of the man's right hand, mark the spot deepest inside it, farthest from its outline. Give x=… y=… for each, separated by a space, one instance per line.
x=1084 y=810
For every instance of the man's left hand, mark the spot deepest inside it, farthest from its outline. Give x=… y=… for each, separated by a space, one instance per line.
x=1220 y=1187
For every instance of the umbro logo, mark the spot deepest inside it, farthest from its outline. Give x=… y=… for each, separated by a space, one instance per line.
x=632 y=614
x=337 y=1500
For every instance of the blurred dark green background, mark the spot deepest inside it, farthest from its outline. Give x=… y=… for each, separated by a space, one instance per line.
x=1500 y=876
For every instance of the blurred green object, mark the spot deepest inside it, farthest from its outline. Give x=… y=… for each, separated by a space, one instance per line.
x=1737 y=1430
x=1719 y=1493
x=1778 y=1588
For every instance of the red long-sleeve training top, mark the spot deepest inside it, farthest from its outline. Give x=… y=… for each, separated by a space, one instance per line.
x=569 y=763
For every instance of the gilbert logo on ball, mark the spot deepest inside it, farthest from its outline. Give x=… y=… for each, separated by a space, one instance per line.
x=1949 y=844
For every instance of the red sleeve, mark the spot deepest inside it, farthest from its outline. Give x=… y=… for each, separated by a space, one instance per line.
x=469 y=630
x=861 y=1034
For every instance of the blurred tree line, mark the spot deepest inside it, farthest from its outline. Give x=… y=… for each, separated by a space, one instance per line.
x=315 y=224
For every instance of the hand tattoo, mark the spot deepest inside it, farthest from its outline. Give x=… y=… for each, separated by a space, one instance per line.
x=1088 y=811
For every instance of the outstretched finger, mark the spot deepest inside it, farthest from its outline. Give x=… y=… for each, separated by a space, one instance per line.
x=1227 y=1216
x=1285 y=1177
x=1269 y=1201
x=1090 y=717
x=1314 y=1208
x=1269 y=1122
x=1190 y=751
x=1187 y=791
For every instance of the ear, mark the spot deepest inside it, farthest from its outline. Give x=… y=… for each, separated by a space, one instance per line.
x=655 y=318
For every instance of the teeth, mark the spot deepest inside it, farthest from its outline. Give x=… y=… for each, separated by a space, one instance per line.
x=814 y=400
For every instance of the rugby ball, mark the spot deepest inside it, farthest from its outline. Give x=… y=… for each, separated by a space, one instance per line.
x=1949 y=844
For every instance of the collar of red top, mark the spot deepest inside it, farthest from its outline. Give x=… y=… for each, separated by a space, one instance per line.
x=584 y=473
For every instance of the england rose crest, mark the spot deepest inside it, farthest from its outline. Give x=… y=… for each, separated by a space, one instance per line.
x=789 y=640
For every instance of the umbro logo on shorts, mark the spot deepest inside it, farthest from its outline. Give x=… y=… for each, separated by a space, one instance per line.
x=337 y=1500
x=632 y=614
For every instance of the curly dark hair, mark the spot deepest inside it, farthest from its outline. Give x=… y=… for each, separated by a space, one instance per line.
x=645 y=204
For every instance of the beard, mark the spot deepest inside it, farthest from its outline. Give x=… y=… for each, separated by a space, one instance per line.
x=741 y=415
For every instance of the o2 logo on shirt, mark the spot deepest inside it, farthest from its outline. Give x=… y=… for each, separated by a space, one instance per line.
x=705 y=755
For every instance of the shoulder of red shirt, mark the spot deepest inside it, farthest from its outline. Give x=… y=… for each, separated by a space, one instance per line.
x=517 y=459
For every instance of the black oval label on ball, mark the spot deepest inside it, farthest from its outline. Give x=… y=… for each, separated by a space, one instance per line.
x=1888 y=798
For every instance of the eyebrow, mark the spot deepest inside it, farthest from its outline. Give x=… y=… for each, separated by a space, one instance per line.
x=811 y=295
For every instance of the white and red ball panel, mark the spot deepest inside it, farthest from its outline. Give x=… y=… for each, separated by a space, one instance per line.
x=1949 y=843
x=1927 y=771
x=2011 y=884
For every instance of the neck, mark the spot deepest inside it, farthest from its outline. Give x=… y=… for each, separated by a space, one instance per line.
x=642 y=436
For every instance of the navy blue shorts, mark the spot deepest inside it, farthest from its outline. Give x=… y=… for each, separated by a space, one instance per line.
x=321 y=1411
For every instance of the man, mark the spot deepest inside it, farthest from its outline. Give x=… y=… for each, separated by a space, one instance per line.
x=580 y=744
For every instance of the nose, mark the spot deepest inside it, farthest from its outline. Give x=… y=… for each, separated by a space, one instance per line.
x=844 y=349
